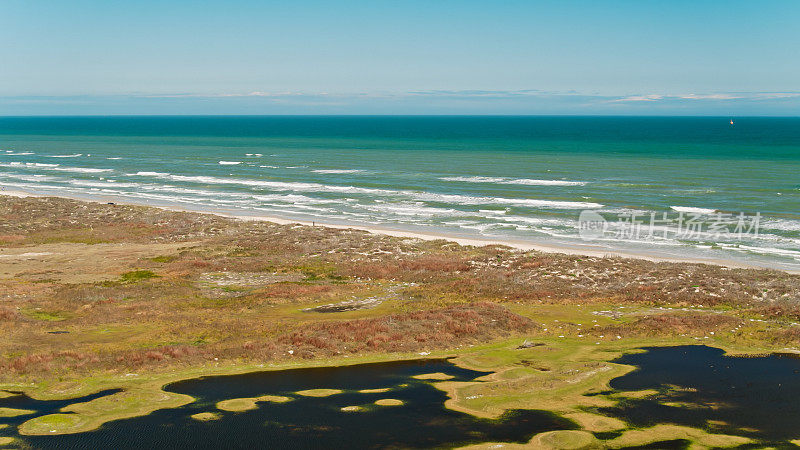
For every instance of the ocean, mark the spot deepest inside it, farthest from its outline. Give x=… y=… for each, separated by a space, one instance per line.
x=695 y=188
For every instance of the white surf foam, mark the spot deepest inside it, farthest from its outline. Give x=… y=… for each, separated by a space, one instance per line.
x=150 y=174
x=534 y=203
x=106 y=184
x=693 y=210
x=34 y=178
x=420 y=196
x=57 y=167
x=531 y=182
x=229 y=163
x=81 y=169
x=519 y=181
x=337 y=171
x=474 y=179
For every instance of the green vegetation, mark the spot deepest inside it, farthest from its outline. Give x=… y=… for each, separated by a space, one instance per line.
x=658 y=433
x=374 y=391
x=205 y=416
x=388 y=402
x=52 y=424
x=135 y=298
x=5 y=440
x=246 y=404
x=163 y=259
x=319 y=392
x=90 y=415
x=13 y=412
x=48 y=316
x=566 y=440
x=352 y=408
x=433 y=376
x=137 y=275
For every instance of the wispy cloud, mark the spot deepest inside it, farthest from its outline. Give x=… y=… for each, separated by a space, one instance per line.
x=719 y=96
x=709 y=97
x=472 y=101
x=640 y=98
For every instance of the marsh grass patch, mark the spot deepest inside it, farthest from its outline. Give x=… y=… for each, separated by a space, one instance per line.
x=135 y=276
x=319 y=392
x=205 y=416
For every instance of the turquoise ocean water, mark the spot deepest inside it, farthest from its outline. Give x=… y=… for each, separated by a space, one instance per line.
x=672 y=187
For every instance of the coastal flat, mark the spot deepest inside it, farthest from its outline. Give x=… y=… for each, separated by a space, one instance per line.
x=96 y=296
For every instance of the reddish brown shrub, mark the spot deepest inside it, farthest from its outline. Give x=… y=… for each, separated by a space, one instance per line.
x=7 y=314
x=436 y=263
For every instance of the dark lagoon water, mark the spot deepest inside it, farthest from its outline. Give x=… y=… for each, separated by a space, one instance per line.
x=755 y=397
x=699 y=387
x=309 y=422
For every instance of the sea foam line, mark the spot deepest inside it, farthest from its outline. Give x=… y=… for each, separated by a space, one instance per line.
x=58 y=167
x=81 y=169
x=520 y=181
x=335 y=171
x=421 y=196
x=693 y=210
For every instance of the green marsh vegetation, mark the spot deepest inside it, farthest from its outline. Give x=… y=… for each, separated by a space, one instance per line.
x=149 y=296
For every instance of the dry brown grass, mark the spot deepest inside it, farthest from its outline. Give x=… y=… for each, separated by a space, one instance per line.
x=421 y=330
x=675 y=324
x=435 y=294
x=455 y=326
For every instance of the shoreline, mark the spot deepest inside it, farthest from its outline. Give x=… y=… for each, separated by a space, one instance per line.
x=130 y=299
x=461 y=240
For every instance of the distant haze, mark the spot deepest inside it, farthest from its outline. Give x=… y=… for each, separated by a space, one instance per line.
x=410 y=57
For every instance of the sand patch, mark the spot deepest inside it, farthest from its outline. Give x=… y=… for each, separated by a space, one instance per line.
x=77 y=263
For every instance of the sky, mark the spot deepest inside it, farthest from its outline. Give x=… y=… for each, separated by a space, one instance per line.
x=711 y=57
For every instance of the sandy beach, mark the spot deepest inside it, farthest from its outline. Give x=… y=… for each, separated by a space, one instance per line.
x=586 y=250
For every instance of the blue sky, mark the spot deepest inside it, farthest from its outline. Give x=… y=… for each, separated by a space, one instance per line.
x=400 y=57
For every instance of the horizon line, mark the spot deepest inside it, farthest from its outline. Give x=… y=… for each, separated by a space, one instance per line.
x=23 y=116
